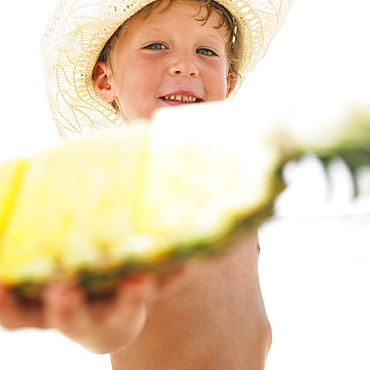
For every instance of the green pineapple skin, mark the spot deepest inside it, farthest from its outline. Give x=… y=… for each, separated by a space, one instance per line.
x=345 y=136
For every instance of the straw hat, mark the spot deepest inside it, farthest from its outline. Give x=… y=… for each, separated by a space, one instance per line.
x=79 y=30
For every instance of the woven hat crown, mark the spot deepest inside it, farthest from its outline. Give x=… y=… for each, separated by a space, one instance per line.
x=79 y=30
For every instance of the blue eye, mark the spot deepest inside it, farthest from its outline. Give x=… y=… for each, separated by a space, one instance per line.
x=205 y=51
x=155 y=46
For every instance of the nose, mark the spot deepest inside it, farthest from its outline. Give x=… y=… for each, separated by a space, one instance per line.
x=183 y=64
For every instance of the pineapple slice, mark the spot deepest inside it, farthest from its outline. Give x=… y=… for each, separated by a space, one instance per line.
x=147 y=200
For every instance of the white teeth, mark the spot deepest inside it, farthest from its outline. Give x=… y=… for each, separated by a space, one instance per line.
x=181 y=98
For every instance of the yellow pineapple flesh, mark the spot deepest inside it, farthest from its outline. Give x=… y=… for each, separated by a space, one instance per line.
x=142 y=201
x=73 y=203
x=10 y=175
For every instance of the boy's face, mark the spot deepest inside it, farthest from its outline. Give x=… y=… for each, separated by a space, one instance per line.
x=166 y=59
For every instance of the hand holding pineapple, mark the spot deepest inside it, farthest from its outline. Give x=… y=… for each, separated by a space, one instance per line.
x=101 y=327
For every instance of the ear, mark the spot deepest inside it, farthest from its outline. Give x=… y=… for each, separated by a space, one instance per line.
x=103 y=88
x=232 y=80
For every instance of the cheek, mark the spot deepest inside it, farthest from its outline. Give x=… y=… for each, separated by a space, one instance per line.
x=141 y=76
x=136 y=95
x=127 y=82
x=218 y=81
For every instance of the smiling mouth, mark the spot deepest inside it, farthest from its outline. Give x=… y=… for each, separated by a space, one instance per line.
x=182 y=98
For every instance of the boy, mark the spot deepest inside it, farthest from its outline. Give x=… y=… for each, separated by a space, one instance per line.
x=209 y=315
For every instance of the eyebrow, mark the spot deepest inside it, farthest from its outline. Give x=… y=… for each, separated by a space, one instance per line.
x=150 y=33
x=162 y=30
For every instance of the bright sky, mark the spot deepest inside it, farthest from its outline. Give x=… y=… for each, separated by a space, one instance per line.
x=314 y=272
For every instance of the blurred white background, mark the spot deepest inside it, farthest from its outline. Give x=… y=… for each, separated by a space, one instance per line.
x=315 y=258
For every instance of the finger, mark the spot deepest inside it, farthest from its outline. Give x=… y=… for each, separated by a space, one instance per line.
x=124 y=317
x=16 y=314
x=138 y=289
x=65 y=308
x=104 y=325
x=133 y=296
